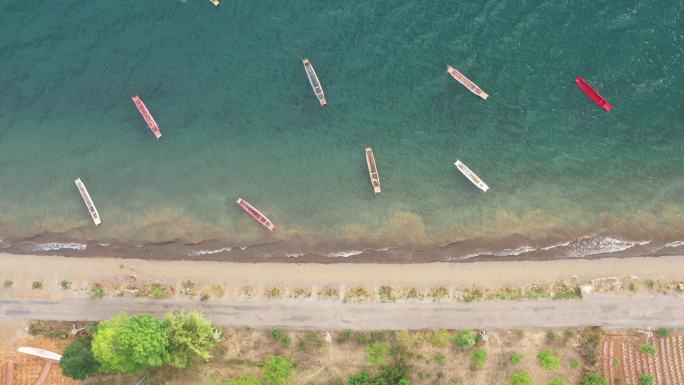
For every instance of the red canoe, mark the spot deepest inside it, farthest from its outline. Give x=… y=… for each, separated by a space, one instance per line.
x=592 y=94
x=147 y=116
x=256 y=214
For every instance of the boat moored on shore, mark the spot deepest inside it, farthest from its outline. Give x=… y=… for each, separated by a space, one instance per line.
x=315 y=83
x=149 y=119
x=592 y=94
x=256 y=214
x=467 y=83
x=471 y=176
x=372 y=170
x=88 y=201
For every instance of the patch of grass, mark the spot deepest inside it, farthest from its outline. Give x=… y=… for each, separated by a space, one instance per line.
x=438 y=293
x=649 y=283
x=158 y=291
x=329 y=292
x=273 y=292
x=377 y=336
x=648 y=349
x=8 y=283
x=479 y=358
x=521 y=378
x=632 y=287
x=516 y=358
x=438 y=338
x=558 y=381
x=204 y=296
x=66 y=285
x=506 y=293
x=97 y=291
x=411 y=340
x=536 y=292
x=439 y=358
x=358 y=293
x=574 y=364
x=301 y=293
x=465 y=339
x=415 y=293
x=663 y=333
x=344 y=336
x=550 y=336
x=37 y=285
x=645 y=379
x=386 y=294
x=472 y=295
x=616 y=361
x=218 y=290
x=280 y=335
x=377 y=353
x=564 y=291
x=548 y=360
x=310 y=341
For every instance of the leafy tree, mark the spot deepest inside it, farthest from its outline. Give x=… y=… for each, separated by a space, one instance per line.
x=191 y=337
x=465 y=339
x=645 y=379
x=521 y=378
x=376 y=354
x=244 y=380
x=479 y=358
x=548 y=360
x=277 y=370
x=125 y=344
x=594 y=378
x=647 y=348
x=77 y=361
x=557 y=381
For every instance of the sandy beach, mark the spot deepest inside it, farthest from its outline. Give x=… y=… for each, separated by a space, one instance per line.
x=51 y=270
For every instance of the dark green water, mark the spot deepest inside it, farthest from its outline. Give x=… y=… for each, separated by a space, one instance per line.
x=228 y=89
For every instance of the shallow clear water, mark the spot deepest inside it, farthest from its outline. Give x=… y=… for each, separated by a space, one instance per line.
x=228 y=89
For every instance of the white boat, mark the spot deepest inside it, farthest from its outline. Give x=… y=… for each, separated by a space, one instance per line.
x=42 y=353
x=313 y=80
x=467 y=82
x=88 y=201
x=372 y=170
x=471 y=176
x=215 y=2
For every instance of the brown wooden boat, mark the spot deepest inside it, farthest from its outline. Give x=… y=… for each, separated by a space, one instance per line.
x=467 y=83
x=373 y=170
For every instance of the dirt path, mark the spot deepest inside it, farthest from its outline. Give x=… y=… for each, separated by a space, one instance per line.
x=597 y=309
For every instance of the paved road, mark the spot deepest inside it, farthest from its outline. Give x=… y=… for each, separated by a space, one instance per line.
x=604 y=310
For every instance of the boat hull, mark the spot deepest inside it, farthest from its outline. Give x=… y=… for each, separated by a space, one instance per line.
x=467 y=83
x=592 y=94
x=472 y=177
x=42 y=353
x=149 y=119
x=373 y=170
x=88 y=201
x=255 y=214
x=315 y=83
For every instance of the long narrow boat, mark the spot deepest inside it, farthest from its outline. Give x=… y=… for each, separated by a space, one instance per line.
x=467 y=82
x=42 y=353
x=88 y=201
x=313 y=80
x=256 y=214
x=147 y=116
x=372 y=170
x=471 y=176
x=592 y=94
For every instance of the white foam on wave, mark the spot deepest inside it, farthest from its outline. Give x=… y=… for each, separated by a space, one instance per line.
x=600 y=245
x=197 y=253
x=51 y=246
x=344 y=254
x=673 y=244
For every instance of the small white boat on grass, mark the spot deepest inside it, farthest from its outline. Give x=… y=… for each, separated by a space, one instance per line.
x=313 y=80
x=466 y=82
x=373 y=170
x=42 y=353
x=88 y=201
x=256 y=214
x=471 y=176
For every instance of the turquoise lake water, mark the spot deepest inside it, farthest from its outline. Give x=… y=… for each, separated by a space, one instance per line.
x=230 y=94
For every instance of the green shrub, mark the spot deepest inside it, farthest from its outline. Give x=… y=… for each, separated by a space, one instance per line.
x=344 y=336
x=593 y=378
x=8 y=283
x=551 y=336
x=438 y=338
x=516 y=358
x=191 y=338
x=558 y=381
x=244 y=380
x=632 y=287
x=376 y=353
x=439 y=358
x=479 y=358
x=548 y=360
x=310 y=341
x=66 y=285
x=647 y=348
x=97 y=292
x=521 y=378
x=465 y=339
x=663 y=333
x=204 y=296
x=645 y=379
x=277 y=370
x=77 y=361
x=280 y=336
x=574 y=364
x=37 y=285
